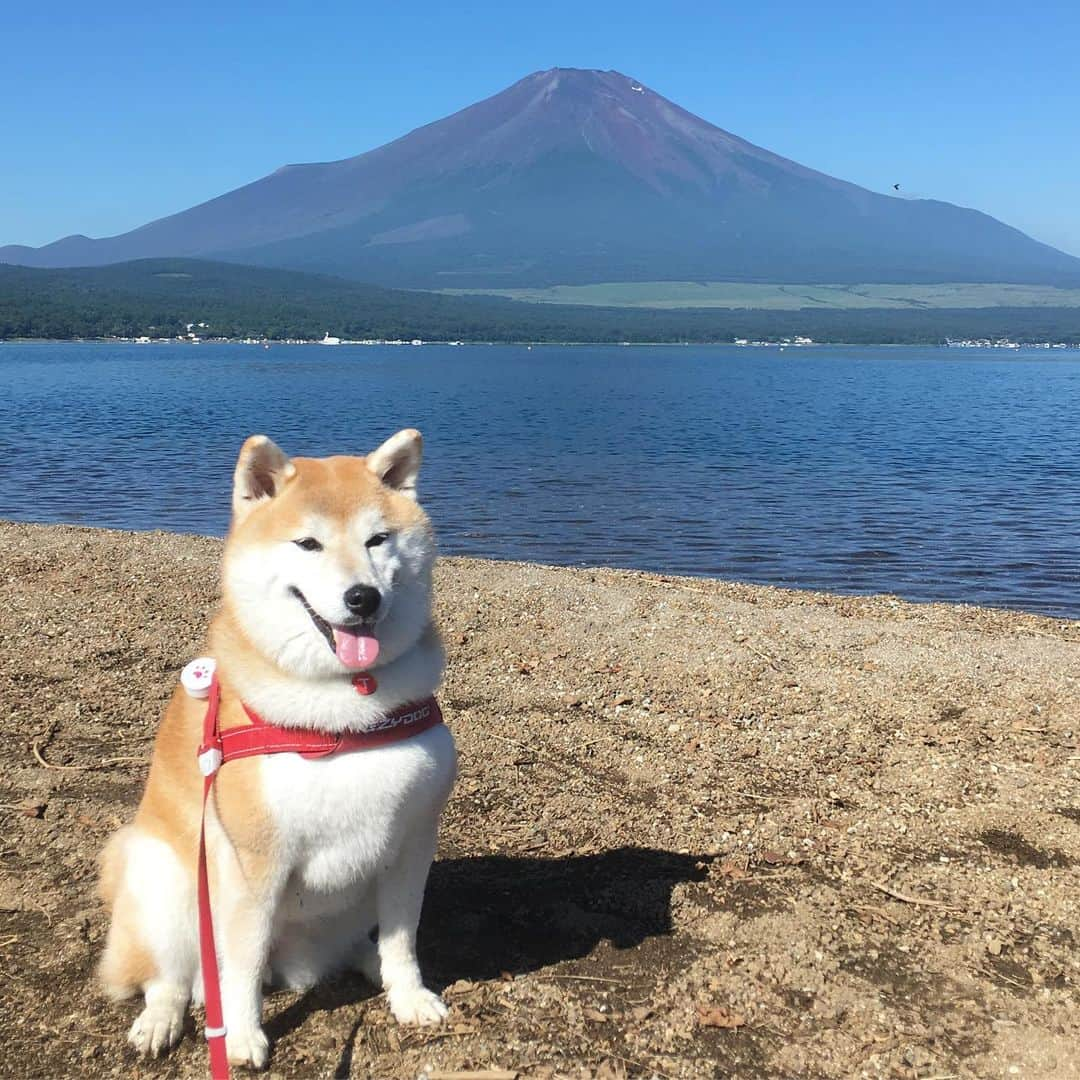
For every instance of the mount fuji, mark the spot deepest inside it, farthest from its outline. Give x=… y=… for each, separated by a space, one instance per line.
x=574 y=176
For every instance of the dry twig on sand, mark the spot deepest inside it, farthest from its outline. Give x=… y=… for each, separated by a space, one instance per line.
x=906 y=898
x=39 y=744
x=587 y=978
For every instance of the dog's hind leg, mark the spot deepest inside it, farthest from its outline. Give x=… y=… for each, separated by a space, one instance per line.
x=151 y=943
x=400 y=891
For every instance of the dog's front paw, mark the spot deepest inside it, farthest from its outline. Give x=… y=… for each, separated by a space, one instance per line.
x=247 y=1047
x=156 y=1028
x=417 y=1005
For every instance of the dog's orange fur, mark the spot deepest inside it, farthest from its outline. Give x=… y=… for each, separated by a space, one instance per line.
x=171 y=807
x=171 y=811
x=334 y=487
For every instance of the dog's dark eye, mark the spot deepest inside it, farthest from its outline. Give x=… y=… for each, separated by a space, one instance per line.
x=376 y=540
x=308 y=543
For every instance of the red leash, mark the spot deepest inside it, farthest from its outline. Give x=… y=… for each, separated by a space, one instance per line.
x=210 y=760
x=249 y=741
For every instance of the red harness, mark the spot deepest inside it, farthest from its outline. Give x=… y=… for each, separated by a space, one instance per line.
x=250 y=740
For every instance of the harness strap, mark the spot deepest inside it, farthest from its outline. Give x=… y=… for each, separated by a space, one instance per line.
x=259 y=737
x=250 y=740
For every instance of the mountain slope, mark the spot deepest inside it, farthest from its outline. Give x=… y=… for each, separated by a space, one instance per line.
x=576 y=176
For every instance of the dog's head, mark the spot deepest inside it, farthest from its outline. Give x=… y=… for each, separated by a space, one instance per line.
x=328 y=560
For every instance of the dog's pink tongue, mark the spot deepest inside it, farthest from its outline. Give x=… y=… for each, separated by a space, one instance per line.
x=356 y=648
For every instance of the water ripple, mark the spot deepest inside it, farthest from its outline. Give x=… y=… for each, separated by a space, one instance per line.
x=936 y=475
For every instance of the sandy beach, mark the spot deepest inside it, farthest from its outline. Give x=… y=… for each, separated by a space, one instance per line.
x=702 y=829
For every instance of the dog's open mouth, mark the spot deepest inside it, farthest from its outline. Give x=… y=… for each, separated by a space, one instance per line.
x=355 y=645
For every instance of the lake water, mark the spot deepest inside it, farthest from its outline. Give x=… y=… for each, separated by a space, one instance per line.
x=934 y=474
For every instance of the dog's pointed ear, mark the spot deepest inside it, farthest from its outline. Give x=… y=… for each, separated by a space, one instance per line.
x=397 y=462
x=261 y=470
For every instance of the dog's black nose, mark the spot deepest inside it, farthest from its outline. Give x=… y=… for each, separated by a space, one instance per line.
x=362 y=600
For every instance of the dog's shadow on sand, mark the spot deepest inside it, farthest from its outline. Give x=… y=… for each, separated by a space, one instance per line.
x=493 y=914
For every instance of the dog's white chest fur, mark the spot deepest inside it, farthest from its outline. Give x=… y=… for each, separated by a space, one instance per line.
x=340 y=819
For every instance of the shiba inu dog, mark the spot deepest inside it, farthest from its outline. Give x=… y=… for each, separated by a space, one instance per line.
x=327 y=573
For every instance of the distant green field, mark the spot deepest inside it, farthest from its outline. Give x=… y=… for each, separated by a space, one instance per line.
x=735 y=295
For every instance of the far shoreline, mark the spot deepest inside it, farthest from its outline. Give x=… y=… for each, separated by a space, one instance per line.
x=1003 y=345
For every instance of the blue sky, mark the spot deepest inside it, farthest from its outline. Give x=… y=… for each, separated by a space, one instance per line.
x=114 y=114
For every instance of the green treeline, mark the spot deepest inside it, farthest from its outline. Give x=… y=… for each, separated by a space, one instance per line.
x=160 y=297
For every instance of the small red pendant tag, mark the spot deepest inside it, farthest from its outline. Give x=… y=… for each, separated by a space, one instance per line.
x=364 y=684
